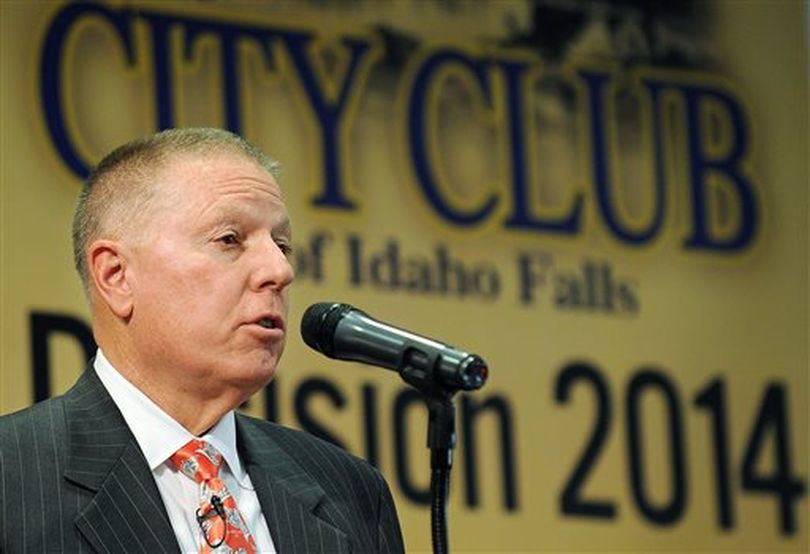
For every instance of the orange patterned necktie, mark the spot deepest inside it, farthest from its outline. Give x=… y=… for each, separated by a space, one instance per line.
x=223 y=527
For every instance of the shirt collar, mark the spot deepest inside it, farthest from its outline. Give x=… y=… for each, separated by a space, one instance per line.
x=157 y=433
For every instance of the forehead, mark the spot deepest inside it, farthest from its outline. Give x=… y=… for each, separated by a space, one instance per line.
x=203 y=182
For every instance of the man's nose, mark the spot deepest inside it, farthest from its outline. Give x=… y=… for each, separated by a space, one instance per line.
x=272 y=267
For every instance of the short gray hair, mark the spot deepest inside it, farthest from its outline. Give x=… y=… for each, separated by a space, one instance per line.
x=120 y=186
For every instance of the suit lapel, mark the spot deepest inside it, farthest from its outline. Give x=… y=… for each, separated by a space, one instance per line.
x=291 y=500
x=126 y=512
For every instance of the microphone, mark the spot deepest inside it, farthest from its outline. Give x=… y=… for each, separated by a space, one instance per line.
x=343 y=332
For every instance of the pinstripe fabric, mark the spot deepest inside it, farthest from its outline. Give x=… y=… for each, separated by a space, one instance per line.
x=72 y=479
x=314 y=495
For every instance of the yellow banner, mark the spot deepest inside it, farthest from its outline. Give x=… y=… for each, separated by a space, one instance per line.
x=607 y=202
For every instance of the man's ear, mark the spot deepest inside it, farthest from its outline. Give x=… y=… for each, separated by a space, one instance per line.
x=109 y=271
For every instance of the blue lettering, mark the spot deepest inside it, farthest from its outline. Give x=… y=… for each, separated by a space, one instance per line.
x=330 y=112
x=161 y=63
x=595 y=83
x=229 y=35
x=51 y=91
x=730 y=166
x=521 y=216
x=418 y=135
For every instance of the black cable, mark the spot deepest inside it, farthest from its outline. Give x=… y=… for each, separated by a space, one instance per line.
x=439 y=481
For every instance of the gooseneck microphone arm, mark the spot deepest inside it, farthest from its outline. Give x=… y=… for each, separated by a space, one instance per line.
x=436 y=369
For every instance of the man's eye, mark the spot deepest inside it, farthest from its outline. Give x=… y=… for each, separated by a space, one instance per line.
x=231 y=239
x=285 y=247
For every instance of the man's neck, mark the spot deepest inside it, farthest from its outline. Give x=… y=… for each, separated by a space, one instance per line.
x=195 y=414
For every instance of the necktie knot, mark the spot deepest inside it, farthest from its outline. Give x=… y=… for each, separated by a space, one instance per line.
x=198 y=460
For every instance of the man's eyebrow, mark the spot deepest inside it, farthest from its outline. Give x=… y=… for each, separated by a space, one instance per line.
x=283 y=226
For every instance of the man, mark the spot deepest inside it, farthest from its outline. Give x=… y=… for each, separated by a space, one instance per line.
x=181 y=240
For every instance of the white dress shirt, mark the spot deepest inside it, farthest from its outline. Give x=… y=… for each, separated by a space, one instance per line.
x=159 y=436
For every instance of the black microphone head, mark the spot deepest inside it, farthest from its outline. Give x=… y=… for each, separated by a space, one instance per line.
x=318 y=325
x=473 y=373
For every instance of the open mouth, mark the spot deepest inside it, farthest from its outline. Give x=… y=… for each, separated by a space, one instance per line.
x=267 y=323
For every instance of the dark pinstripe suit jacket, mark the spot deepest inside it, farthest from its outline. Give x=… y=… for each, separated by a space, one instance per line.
x=72 y=479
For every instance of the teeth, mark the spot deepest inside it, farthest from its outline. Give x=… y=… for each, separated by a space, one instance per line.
x=267 y=323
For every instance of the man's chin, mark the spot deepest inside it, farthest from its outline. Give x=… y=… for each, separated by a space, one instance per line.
x=253 y=379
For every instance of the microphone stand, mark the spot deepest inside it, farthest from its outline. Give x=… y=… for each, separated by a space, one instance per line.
x=435 y=369
x=441 y=439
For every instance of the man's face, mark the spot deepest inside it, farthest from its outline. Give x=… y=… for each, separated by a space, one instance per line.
x=209 y=278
